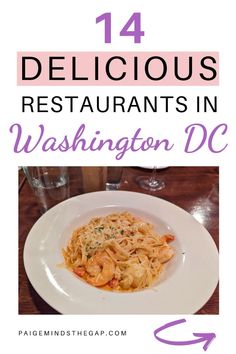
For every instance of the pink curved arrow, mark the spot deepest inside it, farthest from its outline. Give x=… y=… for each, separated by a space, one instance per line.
x=203 y=337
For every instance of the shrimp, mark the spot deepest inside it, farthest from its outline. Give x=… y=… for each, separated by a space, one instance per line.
x=167 y=238
x=100 y=269
x=80 y=271
x=165 y=253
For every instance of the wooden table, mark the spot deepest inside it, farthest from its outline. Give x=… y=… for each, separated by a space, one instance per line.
x=194 y=189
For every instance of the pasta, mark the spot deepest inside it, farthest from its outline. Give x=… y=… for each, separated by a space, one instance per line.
x=118 y=252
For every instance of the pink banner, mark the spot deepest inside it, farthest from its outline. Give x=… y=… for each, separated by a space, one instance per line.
x=118 y=68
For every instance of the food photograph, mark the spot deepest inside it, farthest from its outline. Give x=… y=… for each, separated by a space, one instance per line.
x=118 y=240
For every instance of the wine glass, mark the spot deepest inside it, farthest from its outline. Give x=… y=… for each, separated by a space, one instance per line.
x=151 y=183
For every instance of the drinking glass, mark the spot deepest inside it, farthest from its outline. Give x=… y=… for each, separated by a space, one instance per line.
x=114 y=174
x=50 y=185
x=151 y=183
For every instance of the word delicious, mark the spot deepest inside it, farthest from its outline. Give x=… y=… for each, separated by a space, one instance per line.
x=133 y=143
x=112 y=68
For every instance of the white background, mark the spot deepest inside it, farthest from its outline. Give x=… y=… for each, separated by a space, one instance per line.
x=70 y=26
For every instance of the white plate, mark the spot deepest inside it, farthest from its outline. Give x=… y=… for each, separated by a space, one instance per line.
x=187 y=283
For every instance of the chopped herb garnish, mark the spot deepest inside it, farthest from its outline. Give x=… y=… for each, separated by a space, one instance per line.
x=99 y=228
